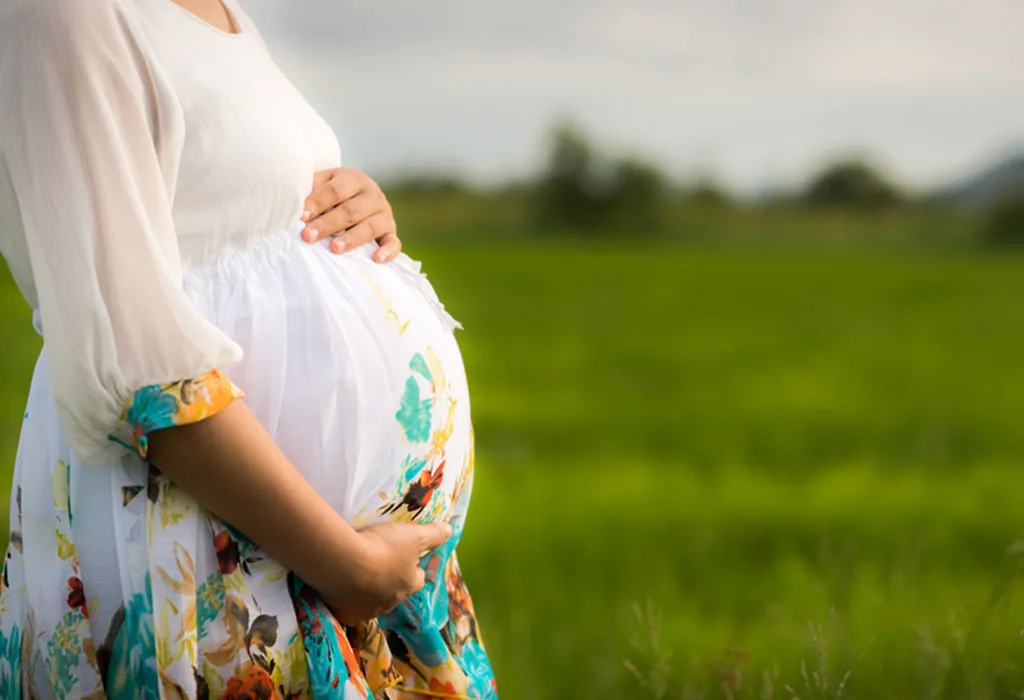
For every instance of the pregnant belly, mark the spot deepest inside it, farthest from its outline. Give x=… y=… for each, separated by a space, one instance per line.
x=352 y=369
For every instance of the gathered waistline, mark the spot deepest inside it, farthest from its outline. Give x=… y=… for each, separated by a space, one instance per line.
x=265 y=250
x=259 y=250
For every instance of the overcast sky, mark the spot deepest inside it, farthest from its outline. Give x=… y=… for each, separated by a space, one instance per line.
x=755 y=91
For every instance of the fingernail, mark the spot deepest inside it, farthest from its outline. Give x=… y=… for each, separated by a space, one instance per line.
x=309 y=235
x=338 y=245
x=306 y=214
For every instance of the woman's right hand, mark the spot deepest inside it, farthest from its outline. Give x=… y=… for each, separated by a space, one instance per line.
x=387 y=570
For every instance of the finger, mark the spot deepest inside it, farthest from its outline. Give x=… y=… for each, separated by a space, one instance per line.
x=321 y=178
x=419 y=581
x=344 y=216
x=367 y=230
x=394 y=603
x=342 y=185
x=390 y=246
x=434 y=535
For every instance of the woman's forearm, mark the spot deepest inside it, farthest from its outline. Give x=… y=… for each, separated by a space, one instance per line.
x=231 y=465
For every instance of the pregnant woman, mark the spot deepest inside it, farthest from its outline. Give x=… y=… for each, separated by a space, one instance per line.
x=246 y=460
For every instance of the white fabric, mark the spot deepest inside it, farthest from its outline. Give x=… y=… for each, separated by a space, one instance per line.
x=135 y=140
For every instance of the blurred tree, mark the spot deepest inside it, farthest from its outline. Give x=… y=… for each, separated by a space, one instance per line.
x=1005 y=226
x=637 y=193
x=706 y=191
x=568 y=192
x=852 y=183
x=581 y=189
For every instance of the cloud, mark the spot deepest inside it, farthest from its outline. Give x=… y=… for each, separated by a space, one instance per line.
x=757 y=90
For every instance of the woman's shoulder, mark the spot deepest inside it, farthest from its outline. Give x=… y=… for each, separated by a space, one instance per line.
x=55 y=12
x=49 y=34
x=36 y=22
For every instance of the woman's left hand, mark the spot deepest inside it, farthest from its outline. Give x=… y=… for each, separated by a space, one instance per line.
x=348 y=205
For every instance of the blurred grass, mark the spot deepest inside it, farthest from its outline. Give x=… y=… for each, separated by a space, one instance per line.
x=754 y=438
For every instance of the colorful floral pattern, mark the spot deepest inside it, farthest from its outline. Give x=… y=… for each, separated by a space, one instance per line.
x=161 y=406
x=426 y=425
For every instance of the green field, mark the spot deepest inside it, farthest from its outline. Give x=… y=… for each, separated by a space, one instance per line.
x=800 y=467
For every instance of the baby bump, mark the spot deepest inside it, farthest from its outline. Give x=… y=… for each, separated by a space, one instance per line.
x=351 y=371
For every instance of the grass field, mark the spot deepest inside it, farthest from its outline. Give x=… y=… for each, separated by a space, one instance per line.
x=800 y=469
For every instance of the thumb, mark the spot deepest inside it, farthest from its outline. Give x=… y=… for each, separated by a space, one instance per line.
x=434 y=535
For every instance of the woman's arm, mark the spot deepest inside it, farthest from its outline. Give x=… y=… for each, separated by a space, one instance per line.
x=230 y=464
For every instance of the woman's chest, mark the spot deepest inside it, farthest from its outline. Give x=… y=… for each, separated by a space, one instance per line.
x=240 y=143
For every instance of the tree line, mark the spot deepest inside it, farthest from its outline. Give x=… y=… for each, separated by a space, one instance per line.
x=580 y=187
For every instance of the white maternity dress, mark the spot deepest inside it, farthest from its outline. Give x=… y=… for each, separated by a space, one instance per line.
x=153 y=170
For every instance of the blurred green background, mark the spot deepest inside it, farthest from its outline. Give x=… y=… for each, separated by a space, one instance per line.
x=729 y=449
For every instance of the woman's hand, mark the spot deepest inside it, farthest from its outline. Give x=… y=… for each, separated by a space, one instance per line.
x=387 y=571
x=350 y=206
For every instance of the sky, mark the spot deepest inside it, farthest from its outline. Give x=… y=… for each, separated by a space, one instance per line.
x=754 y=93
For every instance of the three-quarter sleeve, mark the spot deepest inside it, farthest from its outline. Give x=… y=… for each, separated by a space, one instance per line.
x=81 y=131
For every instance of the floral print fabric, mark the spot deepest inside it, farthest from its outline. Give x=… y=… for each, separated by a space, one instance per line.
x=183 y=402
x=251 y=629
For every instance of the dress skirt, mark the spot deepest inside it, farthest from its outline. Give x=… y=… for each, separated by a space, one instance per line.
x=117 y=584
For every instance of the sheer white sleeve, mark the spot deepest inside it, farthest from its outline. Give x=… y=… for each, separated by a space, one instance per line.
x=80 y=124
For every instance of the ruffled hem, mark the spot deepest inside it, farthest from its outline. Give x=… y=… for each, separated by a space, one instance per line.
x=412 y=271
